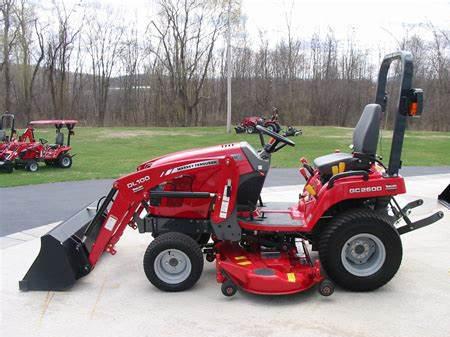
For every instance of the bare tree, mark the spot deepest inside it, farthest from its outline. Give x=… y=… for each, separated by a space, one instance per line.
x=188 y=31
x=9 y=35
x=59 y=47
x=30 y=49
x=104 y=43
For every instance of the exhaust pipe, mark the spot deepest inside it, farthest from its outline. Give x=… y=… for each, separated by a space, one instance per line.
x=63 y=257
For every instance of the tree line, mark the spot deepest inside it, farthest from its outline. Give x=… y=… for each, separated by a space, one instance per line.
x=90 y=63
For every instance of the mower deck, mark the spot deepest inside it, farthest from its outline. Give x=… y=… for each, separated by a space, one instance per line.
x=266 y=272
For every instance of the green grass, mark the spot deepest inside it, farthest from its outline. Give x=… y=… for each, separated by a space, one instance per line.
x=112 y=152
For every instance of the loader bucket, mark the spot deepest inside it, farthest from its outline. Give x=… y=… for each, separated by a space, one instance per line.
x=63 y=257
x=444 y=197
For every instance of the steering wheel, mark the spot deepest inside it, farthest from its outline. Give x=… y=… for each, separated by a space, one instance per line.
x=43 y=141
x=272 y=147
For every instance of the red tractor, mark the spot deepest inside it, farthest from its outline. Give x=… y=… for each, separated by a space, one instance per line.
x=27 y=152
x=248 y=124
x=13 y=147
x=207 y=202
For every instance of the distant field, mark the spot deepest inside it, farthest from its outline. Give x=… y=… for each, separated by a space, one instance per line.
x=112 y=152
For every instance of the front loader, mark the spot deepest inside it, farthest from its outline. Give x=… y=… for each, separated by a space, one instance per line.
x=207 y=202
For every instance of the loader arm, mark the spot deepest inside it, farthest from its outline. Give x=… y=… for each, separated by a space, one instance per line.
x=130 y=195
x=66 y=254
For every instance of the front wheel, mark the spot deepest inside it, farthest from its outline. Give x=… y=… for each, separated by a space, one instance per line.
x=250 y=129
x=173 y=262
x=32 y=165
x=65 y=161
x=360 y=250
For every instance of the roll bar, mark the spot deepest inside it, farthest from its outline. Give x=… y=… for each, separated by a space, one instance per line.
x=3 y=123
x=409 y=105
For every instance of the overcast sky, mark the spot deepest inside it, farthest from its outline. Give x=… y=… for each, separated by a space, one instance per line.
x=371 y=21
x=373 y=24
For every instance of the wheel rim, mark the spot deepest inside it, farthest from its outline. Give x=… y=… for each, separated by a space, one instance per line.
x=271 y=128
x=363 y=254
x=33 y=167
x=172 y=266
x=250 y=129
x=65 y=161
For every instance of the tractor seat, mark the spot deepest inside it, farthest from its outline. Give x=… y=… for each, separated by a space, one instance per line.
x=325 y=163
x=59 y=141
x=365 y=141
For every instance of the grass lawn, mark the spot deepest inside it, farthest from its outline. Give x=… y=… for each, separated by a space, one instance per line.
x=112 y=152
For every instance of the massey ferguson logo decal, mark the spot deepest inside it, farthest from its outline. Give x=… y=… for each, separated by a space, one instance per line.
x=136 y=185
x=190 y=166
x=366 y=189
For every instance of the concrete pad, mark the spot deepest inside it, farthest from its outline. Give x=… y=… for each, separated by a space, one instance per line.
x=24 y=236
x=37 y=232
x=6 y=242
x=116 y=298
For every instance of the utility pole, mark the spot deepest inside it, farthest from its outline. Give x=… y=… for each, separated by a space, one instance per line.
x=229 y=69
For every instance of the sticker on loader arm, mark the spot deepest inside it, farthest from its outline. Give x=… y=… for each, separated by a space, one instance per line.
x=110 y=223
x=225 y=200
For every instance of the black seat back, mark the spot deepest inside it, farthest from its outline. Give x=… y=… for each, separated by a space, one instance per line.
x=59 y=138
x=365 y=135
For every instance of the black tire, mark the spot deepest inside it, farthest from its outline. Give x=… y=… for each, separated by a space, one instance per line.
x=8 y=167
x=65 y=161
x=278 y=127
x=346 y=226
x=250 y=129
x=228 y=288
x=32 y=165
x=180 y=242
x=272 y=128
x=326 y=288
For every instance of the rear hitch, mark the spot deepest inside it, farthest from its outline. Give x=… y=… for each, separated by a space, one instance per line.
x=410 y=226
x=402 y=213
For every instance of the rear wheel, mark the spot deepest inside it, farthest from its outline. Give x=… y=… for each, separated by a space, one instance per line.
x=8 y=167
x=65 y=161
x=32 y=165
x=173 y=262
x=271 y=127
x=360 y=250
x=251 y=129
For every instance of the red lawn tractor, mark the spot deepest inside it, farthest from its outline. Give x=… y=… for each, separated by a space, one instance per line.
x=27 y=152
x=207 y=202
x=57 y=154
x=12 y=147
x=248 y=124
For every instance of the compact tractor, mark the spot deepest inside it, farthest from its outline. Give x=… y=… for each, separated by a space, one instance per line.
x=207 y=202
x=27 y=152
x=248 y=124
